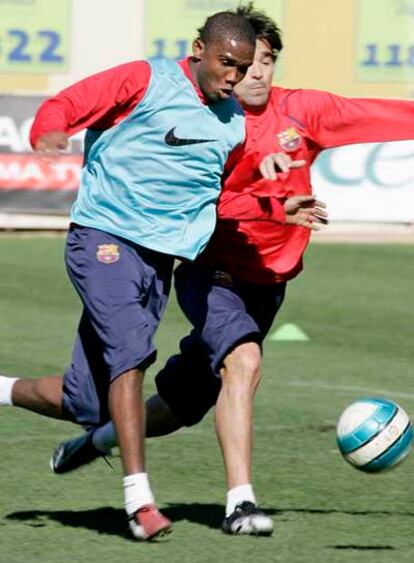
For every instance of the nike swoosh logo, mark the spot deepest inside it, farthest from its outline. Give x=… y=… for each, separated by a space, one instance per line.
x=174 y=141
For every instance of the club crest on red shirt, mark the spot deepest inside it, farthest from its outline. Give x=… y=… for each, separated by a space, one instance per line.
x=289 y=139
x=107 y=253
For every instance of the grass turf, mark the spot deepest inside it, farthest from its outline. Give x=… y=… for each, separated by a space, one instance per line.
x=354 y=302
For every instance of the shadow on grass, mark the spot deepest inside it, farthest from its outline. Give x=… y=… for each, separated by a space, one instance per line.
x=353 y=547
x=105 y=520
x=112 y=521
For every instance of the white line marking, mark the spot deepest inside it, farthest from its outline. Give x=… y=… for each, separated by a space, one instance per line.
x=350 y=388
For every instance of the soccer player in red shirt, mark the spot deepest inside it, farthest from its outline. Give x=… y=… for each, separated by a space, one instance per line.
x=233 y=291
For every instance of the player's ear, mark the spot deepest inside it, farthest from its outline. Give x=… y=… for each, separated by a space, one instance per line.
x=198 y=49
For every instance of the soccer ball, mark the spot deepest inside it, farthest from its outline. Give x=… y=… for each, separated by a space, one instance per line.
x=374 y=434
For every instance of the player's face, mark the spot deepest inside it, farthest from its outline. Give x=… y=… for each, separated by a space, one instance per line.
x=254 y=90
x=220 y=66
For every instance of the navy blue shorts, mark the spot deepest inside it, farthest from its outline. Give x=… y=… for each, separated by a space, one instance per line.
x=224 y=313
x=124 y=290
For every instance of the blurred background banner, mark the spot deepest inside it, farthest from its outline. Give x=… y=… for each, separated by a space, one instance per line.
x=350 y=47
x=16 y=117
x=27 y=183
x=34 y=35
x=367 y=183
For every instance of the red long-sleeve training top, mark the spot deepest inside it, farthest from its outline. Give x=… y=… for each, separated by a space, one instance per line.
x=302 y=123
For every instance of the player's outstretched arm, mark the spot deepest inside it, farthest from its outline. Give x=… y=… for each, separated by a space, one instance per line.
x=306 y=211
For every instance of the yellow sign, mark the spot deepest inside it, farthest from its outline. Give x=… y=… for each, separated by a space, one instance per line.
x=170 y=27
x=34 y=36
x=385 y=47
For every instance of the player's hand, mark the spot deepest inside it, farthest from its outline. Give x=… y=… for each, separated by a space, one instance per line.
x=52 y=144
x=277 y=162
x=306 y=211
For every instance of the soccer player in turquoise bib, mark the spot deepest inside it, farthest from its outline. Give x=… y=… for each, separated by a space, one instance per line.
x=236 y=287
x=159 y=134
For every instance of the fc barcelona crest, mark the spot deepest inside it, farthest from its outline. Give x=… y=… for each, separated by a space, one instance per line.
x=289 y=139
x=107 y=253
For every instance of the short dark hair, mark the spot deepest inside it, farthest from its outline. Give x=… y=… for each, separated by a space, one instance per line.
x=227 y=24
x=264 y=27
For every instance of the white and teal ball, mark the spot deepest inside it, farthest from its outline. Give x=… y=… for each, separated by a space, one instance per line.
x=374 y=434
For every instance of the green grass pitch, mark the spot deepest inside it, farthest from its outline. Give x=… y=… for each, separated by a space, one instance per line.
x=355 y=302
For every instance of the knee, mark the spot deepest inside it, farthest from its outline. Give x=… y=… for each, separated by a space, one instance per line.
x=242 y=366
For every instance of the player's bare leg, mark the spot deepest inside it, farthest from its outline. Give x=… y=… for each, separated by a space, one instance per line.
x=234 y=411
x=42 y=396
x=126 y=406
x=234 y=427
x=128 y=415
